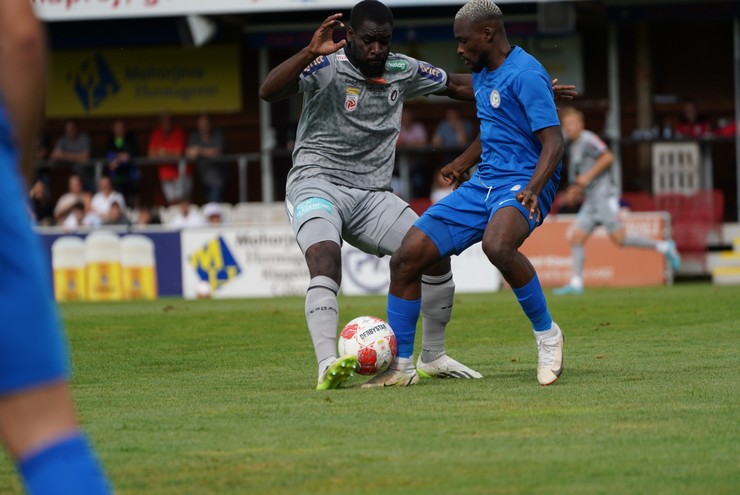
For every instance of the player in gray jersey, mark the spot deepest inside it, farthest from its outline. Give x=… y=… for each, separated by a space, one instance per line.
x=339 y=187
x=589 y=160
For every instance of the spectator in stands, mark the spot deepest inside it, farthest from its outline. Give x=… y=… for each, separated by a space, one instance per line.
x=453 y=132
x=147 y=216
x=589 y=160
x=73 y=148
x=692 y=124
x=43 y=147
x=187 y=216
x=81 y=216
x=167 y=141
x=40 y=205
x=75 y=193
x=120 y=150
x=413 y=135
x=116 y=214
x=212 y=212
x=105 y=198
x=206 y=143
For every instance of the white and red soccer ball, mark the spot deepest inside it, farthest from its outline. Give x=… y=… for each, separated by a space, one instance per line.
x=373 y=342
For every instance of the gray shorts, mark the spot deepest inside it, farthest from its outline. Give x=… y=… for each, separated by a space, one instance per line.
x=372 y=221
x=599 y=211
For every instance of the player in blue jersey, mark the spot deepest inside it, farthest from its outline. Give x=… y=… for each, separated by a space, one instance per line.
x=520 y=148
x=37 y=418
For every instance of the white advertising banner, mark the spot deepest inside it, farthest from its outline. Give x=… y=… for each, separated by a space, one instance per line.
x=364 y=273
x=73 y=10
x=265 y=261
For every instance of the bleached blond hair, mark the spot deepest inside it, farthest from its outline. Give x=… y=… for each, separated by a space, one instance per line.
x=476 y=10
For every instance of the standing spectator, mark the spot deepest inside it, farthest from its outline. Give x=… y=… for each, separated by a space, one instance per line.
x=40 y=204
x=105 y=197
x=120 y=151
x=168 y=142
x=692 y=124
x=187 y=216
x=75 y=193
x=206 y=143
x=73 y=147
x=414 y=135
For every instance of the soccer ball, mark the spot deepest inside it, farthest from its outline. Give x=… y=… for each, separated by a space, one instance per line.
x=373 y=342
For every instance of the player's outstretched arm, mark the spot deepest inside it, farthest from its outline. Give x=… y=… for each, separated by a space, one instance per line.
x=456 y=172
x=604 y=161
x=282 y=81
x=23 y=52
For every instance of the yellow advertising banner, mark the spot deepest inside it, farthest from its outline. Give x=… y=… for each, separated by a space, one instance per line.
x=131 y=81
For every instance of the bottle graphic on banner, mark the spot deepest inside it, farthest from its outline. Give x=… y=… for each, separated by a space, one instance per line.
x=103 y=258
x=68 y=263
x=138 y=267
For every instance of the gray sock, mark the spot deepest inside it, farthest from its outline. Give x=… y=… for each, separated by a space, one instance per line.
x=437 y=296
x=642 y=242
x=322 y=316
x=578 y=251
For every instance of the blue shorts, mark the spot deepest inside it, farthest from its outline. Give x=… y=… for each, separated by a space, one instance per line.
x=459 y=220
x=32 y=348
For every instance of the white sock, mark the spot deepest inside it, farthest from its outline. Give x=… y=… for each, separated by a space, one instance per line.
x=403 y=364
x=325 y=363
x=576 y=282
x=546 y=334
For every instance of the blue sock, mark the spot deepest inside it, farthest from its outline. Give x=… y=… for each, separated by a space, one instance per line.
x=66 y=467
x=532 y=300
x=402 y=317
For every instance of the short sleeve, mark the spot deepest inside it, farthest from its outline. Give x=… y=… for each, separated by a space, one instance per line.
x=595 y=147
x=316 y=75
x=426 y=79
x=536 y=96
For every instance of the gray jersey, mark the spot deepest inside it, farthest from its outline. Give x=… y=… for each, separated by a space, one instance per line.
x=583 y=153
x=349 y=125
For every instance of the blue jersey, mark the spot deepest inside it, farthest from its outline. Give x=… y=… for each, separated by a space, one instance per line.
x=32 y=348
x=513 y=102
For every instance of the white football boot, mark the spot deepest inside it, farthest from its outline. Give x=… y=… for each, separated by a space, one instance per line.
x=550 y=359
x=400 y=373
x=445 y=367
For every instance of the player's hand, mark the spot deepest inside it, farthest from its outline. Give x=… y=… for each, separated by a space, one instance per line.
x=582 y=181
x=530 y=201
x=322 y=42
x=455 y=174
x=563 y=92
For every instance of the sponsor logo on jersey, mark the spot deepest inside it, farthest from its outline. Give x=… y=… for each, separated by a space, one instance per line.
x=396 y=65
x=495 y=98
x=342 y=57
x=516 y=188
x=393 y=95
x=353 y=97
x=431 y=72
x=318 y=63
x=312 y=204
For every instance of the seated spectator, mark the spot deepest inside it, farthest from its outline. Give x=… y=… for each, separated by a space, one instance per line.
x=120 y=150
x=186 y=217
x=105 y=197
x=116 y=214
x=205 y=143
x=413 y=135
x=692 y=124
x=73 y=147
x=213 y=213
x=147 y=216
x=453 y=131
x=75 y=193
x=40 y=204
x=81 y=216
x=168 y=142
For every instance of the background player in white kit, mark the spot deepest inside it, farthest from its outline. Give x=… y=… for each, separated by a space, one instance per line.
x=340 y=184
x=588 y=169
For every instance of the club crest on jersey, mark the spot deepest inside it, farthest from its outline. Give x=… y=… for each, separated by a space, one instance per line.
x=353 y=97
x=495 y=98
x=393 y=95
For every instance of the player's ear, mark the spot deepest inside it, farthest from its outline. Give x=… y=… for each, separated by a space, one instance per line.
x=350 y=34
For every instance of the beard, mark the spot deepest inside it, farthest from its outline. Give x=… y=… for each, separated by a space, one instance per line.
x=371 y=70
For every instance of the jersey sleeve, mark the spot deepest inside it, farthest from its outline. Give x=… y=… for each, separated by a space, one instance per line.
x=425 y=79
x=536 y=96
x=316 y=75
x=595 y=147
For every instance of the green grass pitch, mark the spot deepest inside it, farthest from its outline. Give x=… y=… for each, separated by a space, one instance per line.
x=217 y=397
